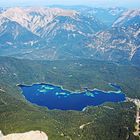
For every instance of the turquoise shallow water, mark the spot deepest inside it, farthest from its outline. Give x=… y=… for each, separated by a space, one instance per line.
x=55 y=97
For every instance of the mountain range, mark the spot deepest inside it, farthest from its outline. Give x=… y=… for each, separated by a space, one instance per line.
x=52 y=33
x=79 y=48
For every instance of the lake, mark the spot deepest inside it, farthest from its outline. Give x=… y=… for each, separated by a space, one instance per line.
x=55 y=97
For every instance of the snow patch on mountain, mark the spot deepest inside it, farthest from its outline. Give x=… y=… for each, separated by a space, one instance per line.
x=35 y=18
x=126 y=16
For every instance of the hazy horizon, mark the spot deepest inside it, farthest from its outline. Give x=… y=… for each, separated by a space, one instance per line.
x=92 y=3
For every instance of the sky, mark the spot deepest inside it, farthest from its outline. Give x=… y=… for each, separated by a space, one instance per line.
x=94 y=3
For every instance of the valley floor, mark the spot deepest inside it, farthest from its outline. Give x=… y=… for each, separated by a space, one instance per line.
x=113 y=120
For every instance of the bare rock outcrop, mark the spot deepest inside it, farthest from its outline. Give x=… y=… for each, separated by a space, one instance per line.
x=32 y=135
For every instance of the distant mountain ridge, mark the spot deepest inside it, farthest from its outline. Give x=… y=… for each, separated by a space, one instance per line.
x=70 y=33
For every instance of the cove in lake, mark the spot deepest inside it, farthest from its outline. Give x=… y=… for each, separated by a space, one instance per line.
x=55 y=97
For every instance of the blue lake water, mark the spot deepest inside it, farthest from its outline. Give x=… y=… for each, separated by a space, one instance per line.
x=55 y=97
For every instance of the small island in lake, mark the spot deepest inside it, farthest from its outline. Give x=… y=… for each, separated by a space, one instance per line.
x=55 y=97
